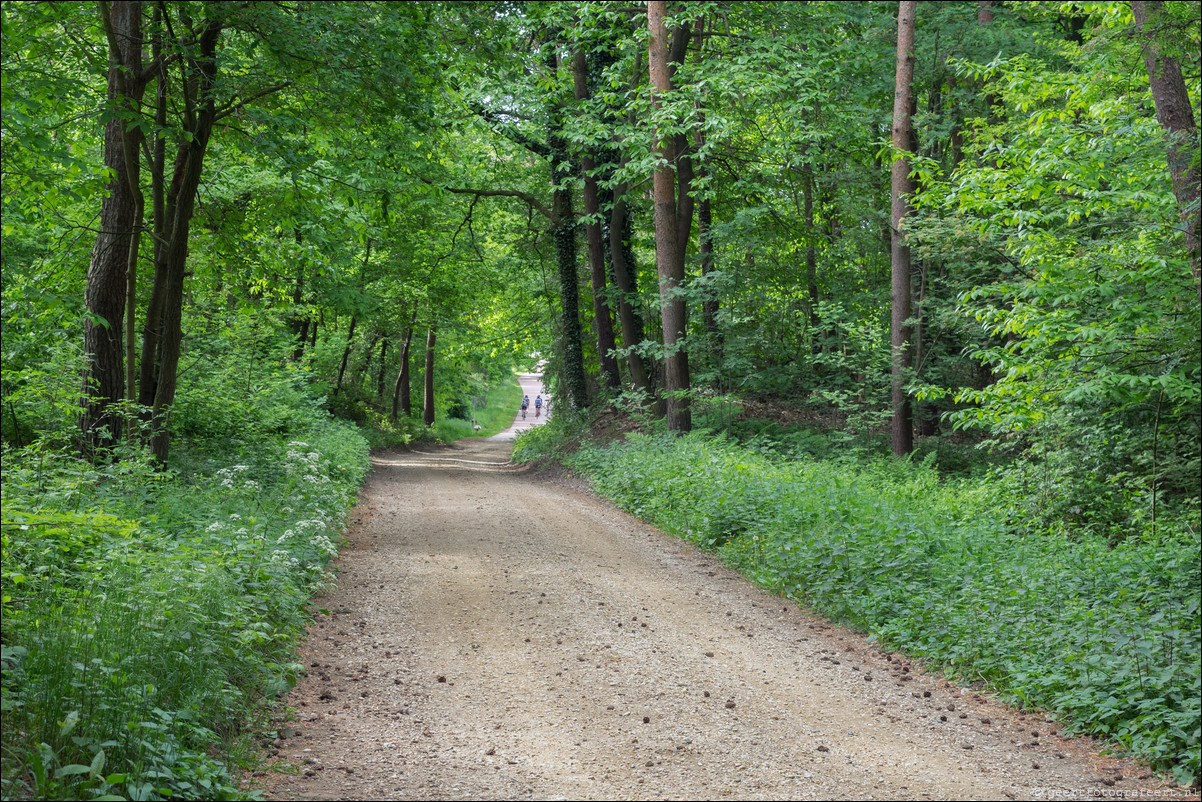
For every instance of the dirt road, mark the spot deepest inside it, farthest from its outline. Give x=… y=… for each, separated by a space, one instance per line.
x=497 y=635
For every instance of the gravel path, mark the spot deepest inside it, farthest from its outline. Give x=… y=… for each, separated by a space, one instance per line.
x=496 y=634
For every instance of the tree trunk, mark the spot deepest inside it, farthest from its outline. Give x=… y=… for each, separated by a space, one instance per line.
x=181 y=202
x=148 y=372
x=380 y=374
x=807 y=191
x=603 y=319
x=705 y=231
x=400 y=390
x=346 y=354
x=1176 y=117
x=157 y=160
x=625 y=270
x=299 y=323
x=621 y=256
x=563 y=231
x=428 y=395
x=668 y=259
x=114 y=253
x=903 y=429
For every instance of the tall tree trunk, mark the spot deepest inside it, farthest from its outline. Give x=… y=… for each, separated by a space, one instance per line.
x=668 y=259
x=380 y=374
x=603 y=319
x=563 y=231
x=807 y=191
x=622 y=259
x=1176 y=117
x=903 y=428
x=114 y=253
x=428 y=395
x=297 y=322
x=400 y=390
x=346 y=354
x=621 y=256
x=148 y=366
x=163 y=335
x=350 y=337
x=158 y=155
x=705 y=248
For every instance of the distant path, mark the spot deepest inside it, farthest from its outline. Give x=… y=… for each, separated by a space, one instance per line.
x=532 y=385
x=494 y=635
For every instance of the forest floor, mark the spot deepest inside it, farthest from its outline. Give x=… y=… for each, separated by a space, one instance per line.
x=497 y=632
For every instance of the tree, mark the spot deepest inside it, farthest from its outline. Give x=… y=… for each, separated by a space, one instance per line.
x=114 y=256
x=669 y=222
x=596 y=248
x=1176 y=116
x=903 y=429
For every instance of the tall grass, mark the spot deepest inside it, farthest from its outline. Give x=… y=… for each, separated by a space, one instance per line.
x=1106 y=637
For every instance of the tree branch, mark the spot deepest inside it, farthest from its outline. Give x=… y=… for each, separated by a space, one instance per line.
x=530 y=200
x=251 y=98
x=508 y=131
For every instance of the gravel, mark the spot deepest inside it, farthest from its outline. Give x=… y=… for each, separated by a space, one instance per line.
x=498 y=633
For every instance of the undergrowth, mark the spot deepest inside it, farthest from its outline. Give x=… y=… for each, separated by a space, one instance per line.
x=148 y=613
x=1104 y=635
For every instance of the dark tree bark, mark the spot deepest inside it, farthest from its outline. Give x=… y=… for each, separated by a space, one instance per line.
x=621 y=257
x=563 y=228
x=297 y=322
x=158 y=153
x=563 y=231
x=400 y=391
x=380 y=374
x=115 y=251
x=428 y=395
x=668 y=251
x=163 y=335
x=903 y=428
x=622 y=260
x=346 y=354
x=807 y=191
x=1176 y=117
x=603 y=318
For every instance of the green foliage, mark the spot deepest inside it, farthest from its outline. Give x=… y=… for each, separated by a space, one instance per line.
x=145 y=613
x=560 y=435
x=1106 y=636
x=1074 y=272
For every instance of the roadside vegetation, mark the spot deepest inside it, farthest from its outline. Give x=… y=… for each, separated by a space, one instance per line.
x=151 y=613
x=956 y=568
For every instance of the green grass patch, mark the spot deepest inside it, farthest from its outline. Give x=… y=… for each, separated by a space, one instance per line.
x=1106 y=637
x=500 y=404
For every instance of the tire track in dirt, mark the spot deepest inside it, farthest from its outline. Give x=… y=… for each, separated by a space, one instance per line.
x=496 y=636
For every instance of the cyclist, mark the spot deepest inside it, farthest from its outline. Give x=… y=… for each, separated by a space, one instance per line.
x=538 y=406
x=525 y=405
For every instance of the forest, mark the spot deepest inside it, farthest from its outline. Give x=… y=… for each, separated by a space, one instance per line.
x=896 y=306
